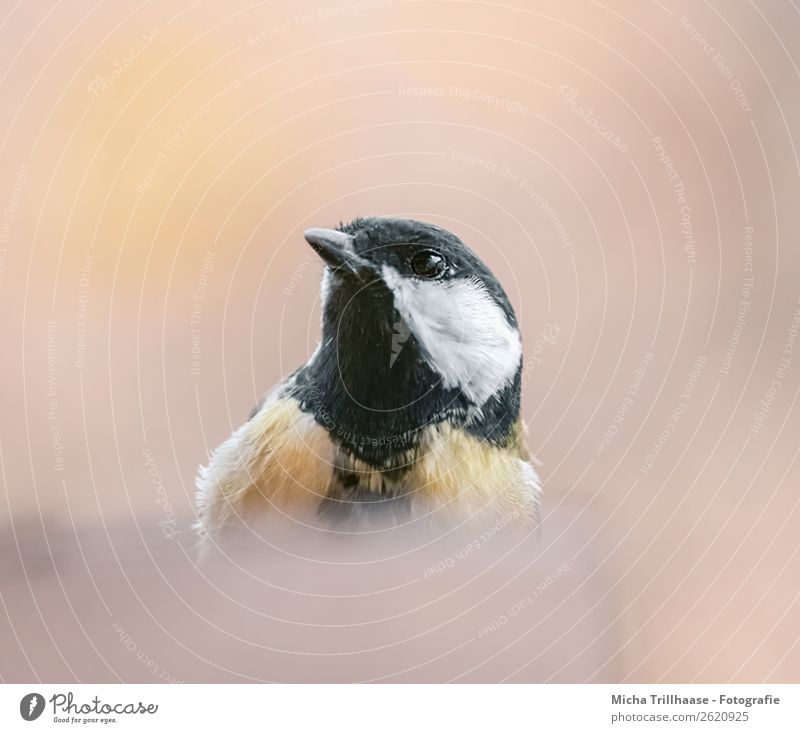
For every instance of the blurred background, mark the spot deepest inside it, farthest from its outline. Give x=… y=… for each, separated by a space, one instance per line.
x=629 y=171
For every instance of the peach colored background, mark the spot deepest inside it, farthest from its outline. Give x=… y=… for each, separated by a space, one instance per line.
x=261 y=119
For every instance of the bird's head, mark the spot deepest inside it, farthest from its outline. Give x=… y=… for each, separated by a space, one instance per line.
x=414 y=323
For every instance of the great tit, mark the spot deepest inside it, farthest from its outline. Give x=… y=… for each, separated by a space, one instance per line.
x=409 y=408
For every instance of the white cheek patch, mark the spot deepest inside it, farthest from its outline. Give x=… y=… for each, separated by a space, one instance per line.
x=464 y=335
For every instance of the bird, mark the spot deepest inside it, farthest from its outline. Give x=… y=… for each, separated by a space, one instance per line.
x=407 y=411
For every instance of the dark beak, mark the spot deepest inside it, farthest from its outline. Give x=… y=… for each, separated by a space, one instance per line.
x=337 y=251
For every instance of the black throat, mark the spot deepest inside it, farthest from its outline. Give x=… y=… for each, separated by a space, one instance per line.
x=368 y=383
x=370 y=386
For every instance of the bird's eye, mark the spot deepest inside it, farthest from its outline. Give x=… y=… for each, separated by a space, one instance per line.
x=428 y=264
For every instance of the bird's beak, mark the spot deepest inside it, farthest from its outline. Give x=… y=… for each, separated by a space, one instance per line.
x=336 y=250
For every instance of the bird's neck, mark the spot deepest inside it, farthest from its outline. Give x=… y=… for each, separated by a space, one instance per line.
x=371 y=386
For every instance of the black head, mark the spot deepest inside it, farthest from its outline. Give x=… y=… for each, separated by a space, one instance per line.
x=416 y=330
x=413 y=249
